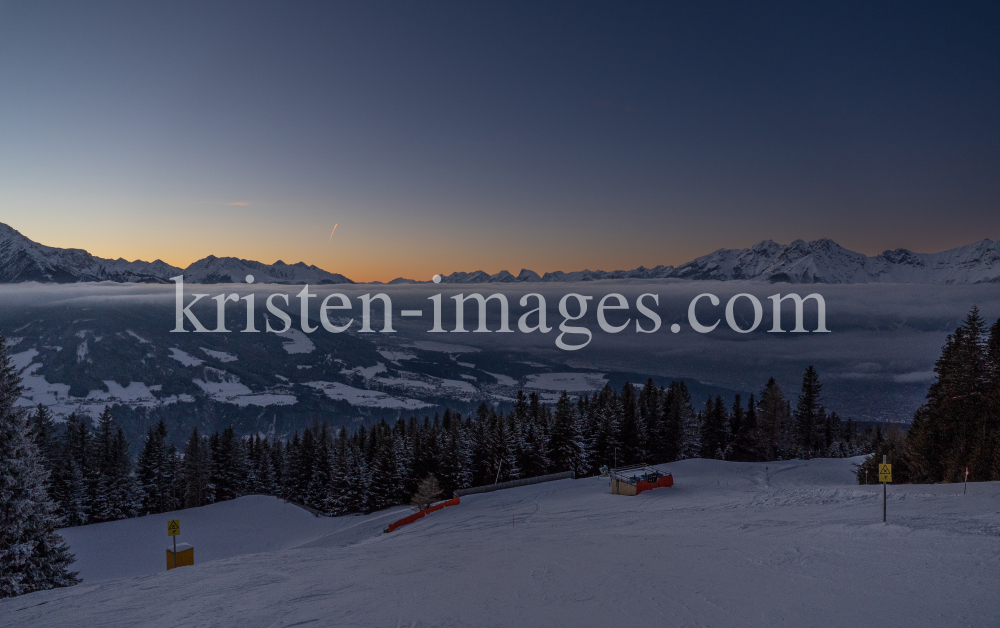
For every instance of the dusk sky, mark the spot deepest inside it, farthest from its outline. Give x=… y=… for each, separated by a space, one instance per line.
x=445 y=137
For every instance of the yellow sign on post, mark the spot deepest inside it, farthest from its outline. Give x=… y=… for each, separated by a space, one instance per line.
x=885 y=473
x=173 y=527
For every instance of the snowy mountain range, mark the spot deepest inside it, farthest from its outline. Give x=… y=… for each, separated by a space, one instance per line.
x=818 y=261
x=22 y=260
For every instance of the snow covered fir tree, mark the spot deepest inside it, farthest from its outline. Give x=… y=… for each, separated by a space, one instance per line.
x=33 y=556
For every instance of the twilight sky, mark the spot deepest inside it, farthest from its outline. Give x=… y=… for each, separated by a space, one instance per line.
x=466 y=136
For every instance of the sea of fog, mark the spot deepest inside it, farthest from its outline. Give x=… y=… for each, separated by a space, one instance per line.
x=875 y=363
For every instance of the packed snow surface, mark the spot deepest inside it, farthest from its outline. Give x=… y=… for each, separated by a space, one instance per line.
x=731 y=544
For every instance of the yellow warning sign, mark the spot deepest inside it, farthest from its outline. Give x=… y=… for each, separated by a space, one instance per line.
x=173 y=527
x=885 y=473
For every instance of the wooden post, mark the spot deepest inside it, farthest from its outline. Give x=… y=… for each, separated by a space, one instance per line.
x=966 y=489
x=883 y=494
x=175 y=552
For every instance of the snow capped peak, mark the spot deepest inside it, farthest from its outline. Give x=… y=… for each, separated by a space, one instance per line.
x=24 y=260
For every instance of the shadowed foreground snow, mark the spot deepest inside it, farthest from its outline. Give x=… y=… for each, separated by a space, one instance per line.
x=729 y=545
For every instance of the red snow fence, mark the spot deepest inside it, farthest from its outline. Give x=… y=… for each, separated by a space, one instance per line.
x=421 y=514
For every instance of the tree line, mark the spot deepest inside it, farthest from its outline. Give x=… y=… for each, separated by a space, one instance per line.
x=336 y=472
x=957 y=429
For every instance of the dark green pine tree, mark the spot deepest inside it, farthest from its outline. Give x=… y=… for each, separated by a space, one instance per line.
x=296 y=473
x=480 y=447
x=277 y=454
x=45 y=437
x=630 y=430
x=456 y=467
x=340 y=497
x=676 y=401
x=228 y=464
x=504 y=436
x=33 y=557
x=197 y=472
x=714 y=433
x=952 y=427
x=605 y=428
x=356 y=481
x=317 y=492
x=774 y=424
x=70 y=482
x=565 y=451
x=154 y=472
x=810 y=417
x=991 y=453
x=651 y=419
x=382 y=490
x=113 y=489
x=744 y=429
x=529 y=437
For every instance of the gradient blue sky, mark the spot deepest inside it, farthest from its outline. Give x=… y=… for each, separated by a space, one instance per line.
x=465 y=136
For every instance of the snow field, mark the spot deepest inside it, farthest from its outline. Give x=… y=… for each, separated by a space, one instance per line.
x=731 y=544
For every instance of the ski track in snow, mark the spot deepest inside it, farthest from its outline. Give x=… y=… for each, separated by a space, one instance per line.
x=731 y=544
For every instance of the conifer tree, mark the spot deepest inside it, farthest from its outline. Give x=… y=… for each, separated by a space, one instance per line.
x=228 y=464
x=650 y=415
x=809 y=415
x=114 y=492
x=687 y=421
x=774 y=421
x=382 y=490
x=33 y=556
x=565 y=450
x=744 y=430
x=956 y=427
x=318 y=488
x=338 y=496
x=630 y=430
x=714 y=425
x=156 y=472
x=72 y=472
x=45 y=437
x=197 y=470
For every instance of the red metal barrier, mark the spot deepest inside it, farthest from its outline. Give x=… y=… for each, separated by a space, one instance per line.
x=667 y=480
x=419 y=515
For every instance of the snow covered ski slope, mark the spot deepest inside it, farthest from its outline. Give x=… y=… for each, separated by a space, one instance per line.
x=731 y=544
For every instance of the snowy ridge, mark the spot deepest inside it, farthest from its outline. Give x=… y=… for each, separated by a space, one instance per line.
x=232 y=270
x=819 y=261
x=22 y=260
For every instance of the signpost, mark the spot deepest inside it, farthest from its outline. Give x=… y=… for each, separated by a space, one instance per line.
x=173 y=529
x=884 y=476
